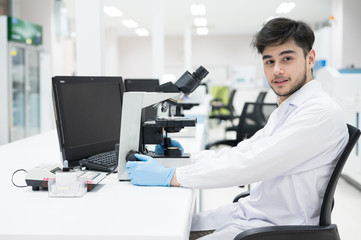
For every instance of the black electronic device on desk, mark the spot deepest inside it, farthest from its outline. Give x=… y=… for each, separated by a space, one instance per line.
x=88 y=115
x=39 y=176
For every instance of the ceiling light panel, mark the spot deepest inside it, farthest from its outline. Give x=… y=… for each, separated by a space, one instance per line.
x=142 y=32
x=200 y=22
x=285 y=7
x=130 y=23
x=112 y=11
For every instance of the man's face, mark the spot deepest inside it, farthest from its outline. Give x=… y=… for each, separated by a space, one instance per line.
x=286 y=68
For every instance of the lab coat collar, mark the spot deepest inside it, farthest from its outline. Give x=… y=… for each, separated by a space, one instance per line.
x=303 y=94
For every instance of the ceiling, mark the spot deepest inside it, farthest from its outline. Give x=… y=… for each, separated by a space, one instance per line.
x=225 y=17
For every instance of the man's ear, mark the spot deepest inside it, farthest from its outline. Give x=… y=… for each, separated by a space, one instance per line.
x=311 y=58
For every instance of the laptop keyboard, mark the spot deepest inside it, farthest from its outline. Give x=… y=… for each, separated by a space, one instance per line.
x=106 y=162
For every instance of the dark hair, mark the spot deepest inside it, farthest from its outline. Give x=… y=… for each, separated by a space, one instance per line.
x=281 y=30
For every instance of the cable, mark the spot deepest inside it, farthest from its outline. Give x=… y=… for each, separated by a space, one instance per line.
x=113 y=170
x=116 y=148
x=12 y=178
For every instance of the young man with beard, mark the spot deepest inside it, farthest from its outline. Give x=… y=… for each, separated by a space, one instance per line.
x=288 y=162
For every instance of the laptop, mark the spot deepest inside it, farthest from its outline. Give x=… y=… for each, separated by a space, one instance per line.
x=88 y=116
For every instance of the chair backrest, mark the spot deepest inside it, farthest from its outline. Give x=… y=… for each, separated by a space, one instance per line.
x=257 y=114
x=220 y=93
x=326 y=208
x=230 y=101
x=254 y=116
x=261 y=96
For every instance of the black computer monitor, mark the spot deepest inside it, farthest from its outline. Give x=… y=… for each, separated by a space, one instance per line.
x=143 y=85
x=88 y=115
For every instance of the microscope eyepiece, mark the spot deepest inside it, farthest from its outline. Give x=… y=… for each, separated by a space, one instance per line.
x=200 y=73
x=187 y=83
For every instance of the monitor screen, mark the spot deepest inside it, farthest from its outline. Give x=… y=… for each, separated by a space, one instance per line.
x=88 y=115
x=143 y=85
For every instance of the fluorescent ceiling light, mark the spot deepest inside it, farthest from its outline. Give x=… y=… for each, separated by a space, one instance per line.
x=129 y=23
x=200 y=22
x=202 y=31
x=286 y=7
x=198 y=9
x=142 y=32
x=112 y=11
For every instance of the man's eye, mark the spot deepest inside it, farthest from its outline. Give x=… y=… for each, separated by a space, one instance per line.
x=269 y=62
x=287 y=59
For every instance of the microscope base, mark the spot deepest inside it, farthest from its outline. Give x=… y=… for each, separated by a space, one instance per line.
x=184 y=155
x=173 y=162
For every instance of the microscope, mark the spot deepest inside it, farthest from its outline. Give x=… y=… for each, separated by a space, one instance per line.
x=134 y=134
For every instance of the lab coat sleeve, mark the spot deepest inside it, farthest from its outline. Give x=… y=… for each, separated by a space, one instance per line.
x=309 y=139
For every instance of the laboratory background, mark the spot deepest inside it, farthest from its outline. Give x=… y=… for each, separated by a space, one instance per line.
x=161 y=39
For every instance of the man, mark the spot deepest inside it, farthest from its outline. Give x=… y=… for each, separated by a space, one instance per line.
x=288 y=162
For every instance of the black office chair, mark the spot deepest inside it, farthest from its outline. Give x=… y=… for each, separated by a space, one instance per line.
x=254 y=116
x=218 y=109
x=325 y=230
x=260 y=99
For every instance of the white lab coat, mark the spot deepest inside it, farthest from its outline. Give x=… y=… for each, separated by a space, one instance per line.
x=288 y=162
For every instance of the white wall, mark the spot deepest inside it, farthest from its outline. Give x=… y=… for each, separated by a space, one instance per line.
x=111 y=55
x=231 y=52
x=135 y=57
x=89 y=24
x=323 y=44
x=218 y=53
x=351 y=33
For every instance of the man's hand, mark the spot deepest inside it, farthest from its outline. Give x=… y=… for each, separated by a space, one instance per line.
x=159 y=148
x=148 y=172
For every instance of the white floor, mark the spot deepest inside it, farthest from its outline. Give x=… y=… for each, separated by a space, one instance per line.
x=346 y=213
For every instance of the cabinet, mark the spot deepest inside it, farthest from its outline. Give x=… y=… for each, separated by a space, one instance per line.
x=20 y=51
x=24 y=99
x=345 y=89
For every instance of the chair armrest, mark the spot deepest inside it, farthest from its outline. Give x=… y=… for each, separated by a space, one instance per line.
x=216 y=100
x=217 y=104
x=230 y=143
x=300 y=232
x=241 y=195
x=219 y=108
x=231 y=129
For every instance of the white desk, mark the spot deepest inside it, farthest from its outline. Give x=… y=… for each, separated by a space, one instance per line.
x=114 y=210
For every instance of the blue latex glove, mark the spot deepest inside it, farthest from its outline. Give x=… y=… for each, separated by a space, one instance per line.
x=159 y=148
x=148 y=172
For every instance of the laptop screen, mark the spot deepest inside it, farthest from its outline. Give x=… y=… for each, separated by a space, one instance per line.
x=88 y=115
